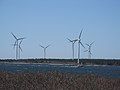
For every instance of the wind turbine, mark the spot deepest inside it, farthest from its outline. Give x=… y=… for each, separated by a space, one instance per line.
x=16 y=44
x=89 y=50
x=73 y=42
x=20 y=49
x=79 y=43
x=44 y=48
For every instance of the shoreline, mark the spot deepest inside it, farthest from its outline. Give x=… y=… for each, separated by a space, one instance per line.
x=94 y=62
x=56 y=64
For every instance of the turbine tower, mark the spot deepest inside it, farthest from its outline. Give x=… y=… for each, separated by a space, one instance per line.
x=89 y=50
x=44 y=48
x=73 y=42
x=16 y=44
x=79 y=43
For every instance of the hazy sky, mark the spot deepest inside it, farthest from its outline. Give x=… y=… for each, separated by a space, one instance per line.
x=52 y=21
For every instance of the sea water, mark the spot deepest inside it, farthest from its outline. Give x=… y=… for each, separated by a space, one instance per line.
x=107 y=71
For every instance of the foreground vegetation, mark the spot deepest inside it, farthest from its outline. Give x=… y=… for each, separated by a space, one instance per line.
x=67 y=61
x=56 y=81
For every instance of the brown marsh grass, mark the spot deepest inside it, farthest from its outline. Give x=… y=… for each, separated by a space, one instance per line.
x=56 y=81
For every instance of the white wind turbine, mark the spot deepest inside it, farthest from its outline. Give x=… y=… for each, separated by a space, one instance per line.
x=20 y=49
x=16 y=44
x=79 y=43
x=44 y=48
x=73 y=42
x=89 y=50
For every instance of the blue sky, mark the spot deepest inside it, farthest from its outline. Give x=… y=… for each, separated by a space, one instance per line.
x=52 y=21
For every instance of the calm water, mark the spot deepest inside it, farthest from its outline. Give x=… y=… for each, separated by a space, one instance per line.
x=111 y=71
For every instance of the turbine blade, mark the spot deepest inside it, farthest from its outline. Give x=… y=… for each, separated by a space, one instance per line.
x=87 y=45
x=86 y=51
x=47 y=46
x=13 y=46
x=15 y=42
x=41 y=46
x=82 y=44
x=80 y=33
x=14 y=36
x=90 y=53
x=20 y=42
x=92 y=42
x=69 y=40
x=21 y=38
x=75 y=40
x=20 y=48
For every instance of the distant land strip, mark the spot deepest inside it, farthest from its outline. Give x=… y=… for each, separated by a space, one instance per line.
x=115 y=62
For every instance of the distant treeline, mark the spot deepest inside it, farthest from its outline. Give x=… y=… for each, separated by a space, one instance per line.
x=84 y=61
x=101 y=61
